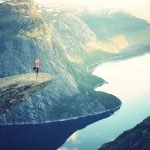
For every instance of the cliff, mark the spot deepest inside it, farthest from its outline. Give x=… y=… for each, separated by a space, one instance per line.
x=16 y=89
x=26 y=31
x=137 y=138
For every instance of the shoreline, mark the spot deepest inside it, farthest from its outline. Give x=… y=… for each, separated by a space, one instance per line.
x=45 y=136
x=68 y=119
x=90 y=68
x=78 y=117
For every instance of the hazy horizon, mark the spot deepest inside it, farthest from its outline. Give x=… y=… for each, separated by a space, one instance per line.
x=138 y=8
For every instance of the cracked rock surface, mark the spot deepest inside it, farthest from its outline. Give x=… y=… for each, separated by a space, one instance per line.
x=16 y=89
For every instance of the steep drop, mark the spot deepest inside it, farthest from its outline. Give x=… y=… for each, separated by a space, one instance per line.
x=16 y=89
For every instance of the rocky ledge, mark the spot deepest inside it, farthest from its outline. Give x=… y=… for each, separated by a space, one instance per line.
x=16 y=89
x=137 y=138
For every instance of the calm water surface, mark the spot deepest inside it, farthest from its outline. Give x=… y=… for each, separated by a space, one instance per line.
x=129 y=80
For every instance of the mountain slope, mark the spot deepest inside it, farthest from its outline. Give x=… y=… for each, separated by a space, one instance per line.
x=133 y=139
x=119 y=31
x=66 y=44
x=31 y=33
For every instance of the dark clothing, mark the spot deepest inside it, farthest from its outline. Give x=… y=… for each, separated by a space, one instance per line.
x=36 y=69
x=37 y=65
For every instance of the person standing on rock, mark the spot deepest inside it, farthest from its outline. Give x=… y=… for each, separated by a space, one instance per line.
x=37 y=65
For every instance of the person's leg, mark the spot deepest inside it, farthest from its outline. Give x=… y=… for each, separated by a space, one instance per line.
x=37 y=70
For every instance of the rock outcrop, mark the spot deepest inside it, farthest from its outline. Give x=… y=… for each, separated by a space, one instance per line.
x=66 y=44
x=26 y=32
x=16 y=89
x=137 y=138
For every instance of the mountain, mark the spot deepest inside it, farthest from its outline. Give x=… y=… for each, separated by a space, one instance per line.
x=133 y=139
x=67 y=43
x=16 y=89
x=109 y=24
x=26 y=32
x=119 y=31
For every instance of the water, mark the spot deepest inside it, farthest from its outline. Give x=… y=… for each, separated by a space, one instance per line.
x=130 y=81
x=48 y=136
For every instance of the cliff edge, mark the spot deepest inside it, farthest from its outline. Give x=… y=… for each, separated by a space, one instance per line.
x=16 y=89
x=28 y=31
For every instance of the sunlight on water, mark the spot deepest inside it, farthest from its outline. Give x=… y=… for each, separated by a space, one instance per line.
x=130 y=81
x=129 y=77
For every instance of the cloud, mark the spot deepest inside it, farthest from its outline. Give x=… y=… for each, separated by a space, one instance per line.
x=1 y=1
x=64 y=148
x=139 y=8
x=74 y=137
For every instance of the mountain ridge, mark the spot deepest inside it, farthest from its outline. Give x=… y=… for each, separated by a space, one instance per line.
x=133 y=139
x=66 y=46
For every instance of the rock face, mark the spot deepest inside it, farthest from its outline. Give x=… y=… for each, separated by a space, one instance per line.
x=137 y=138
x=66 y=44
x=27 y=32
x=16 y=89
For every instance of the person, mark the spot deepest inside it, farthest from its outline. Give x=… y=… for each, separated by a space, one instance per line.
x=37 y=65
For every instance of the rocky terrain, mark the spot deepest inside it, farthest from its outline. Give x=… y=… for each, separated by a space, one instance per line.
x=16 y=89
x=66 y=45
x=27 y=32
x=137 y=138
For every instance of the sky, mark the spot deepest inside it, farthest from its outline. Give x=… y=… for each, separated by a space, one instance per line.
x=139 y=8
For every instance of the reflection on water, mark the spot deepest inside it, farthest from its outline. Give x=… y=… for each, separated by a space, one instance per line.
x=126 y=78
x=48 y=136
x=130 y=81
